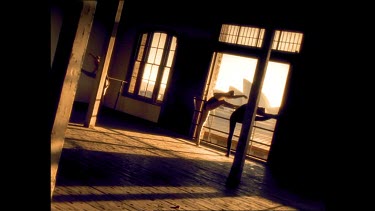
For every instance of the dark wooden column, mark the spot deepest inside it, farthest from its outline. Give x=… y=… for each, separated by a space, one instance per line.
x=235 y=174
x=69 y=86
x=97 y=94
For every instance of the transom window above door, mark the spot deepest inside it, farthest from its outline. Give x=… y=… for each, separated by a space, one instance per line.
x=286 y=41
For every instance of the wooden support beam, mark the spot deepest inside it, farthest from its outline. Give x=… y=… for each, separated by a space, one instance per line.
x=98 y=90
x=235 y=174
x=69 y=86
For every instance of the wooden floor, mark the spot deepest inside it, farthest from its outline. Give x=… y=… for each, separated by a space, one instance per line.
x=123 y=164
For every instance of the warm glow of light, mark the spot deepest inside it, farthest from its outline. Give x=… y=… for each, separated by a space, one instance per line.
x=234 y=70
x=141 y=143
x=100 y=190
x=154 y=196
x=274 y=82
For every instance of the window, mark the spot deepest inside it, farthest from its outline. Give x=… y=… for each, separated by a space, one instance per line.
x=152 y=66
x=287 y=41
x=241 y=35
x=250 y=36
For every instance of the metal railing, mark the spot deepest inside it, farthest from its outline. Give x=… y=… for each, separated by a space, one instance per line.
x=261 y=131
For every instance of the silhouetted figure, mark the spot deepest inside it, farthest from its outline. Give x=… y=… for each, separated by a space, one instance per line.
x=238 y=116
x=214 y=102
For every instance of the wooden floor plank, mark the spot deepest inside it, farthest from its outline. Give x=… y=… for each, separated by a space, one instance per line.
x=106 y=168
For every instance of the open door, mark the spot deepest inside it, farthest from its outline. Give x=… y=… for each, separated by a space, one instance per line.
x=234 y=72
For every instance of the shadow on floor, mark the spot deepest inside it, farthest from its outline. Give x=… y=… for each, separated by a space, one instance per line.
x=111 y=118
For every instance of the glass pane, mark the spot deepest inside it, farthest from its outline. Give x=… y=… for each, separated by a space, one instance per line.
x=287 y=41
x=144 y=39
x=149 y=89
x=159 y=54
x=147 y=71
x=275 y=39
x=261 y=35
x=162 y=40
x=151 y=55
x=163 y=84
x=134 y=77
x=274 y=85
x=140 y=53
x=161 y=92
x=154 y=72
x=132 y=85
x=155 y=40
x=242 y=35
x=164 y=80
x=170 y=59
x=173 y=44
x=142 y=89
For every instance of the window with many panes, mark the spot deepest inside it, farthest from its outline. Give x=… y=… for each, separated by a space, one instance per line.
x=152 y=66
x=252 y=36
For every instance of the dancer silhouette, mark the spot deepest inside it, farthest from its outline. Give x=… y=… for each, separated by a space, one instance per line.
x=214 y=102
x=238 y=116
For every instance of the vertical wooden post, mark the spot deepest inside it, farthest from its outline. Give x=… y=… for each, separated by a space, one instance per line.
x=235 y=174
x=97 y=94
x=69 y=86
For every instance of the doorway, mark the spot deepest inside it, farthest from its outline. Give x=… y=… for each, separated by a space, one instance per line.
x=236 y=72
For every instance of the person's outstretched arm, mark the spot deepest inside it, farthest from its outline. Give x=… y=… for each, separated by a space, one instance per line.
x=219 y=95
x=229 y=94
x=238 y=96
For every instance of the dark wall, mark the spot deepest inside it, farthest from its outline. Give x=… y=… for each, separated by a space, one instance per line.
x=303 y=147
x=296 y=155
x=102 y=27
x=190 y=71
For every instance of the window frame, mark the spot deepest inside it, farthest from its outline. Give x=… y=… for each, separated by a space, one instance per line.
x=143 y=60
